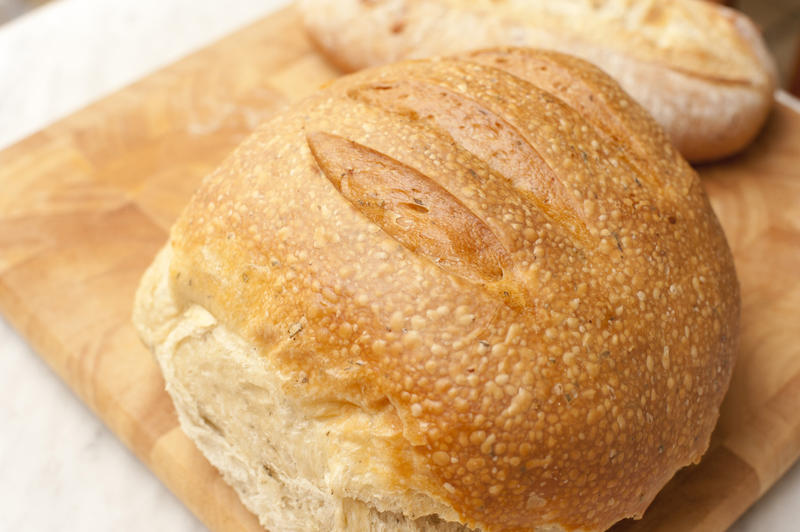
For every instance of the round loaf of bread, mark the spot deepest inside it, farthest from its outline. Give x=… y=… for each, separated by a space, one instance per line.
x=701 y=69
x=481 y=292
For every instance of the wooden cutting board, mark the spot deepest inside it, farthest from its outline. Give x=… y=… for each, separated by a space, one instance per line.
x=85 y=204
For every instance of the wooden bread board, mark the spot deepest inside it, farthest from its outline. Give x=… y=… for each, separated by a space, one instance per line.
x=86 y=203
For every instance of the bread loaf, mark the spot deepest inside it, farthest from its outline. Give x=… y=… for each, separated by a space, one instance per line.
x=473 y=293
x=701 y=69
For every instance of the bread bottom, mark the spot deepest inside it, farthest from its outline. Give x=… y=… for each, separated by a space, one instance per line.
x=230 y=403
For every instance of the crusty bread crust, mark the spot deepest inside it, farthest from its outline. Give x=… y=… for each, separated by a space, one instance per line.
x=702 y=70
x=293 y=469
x=486 y=288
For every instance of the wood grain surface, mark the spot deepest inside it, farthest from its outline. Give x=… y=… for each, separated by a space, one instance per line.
x=86 y=203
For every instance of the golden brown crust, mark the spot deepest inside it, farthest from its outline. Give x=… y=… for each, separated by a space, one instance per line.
x=529 y=276
x=702 y=70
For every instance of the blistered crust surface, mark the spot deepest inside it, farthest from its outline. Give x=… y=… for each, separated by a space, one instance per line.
x=544 y=296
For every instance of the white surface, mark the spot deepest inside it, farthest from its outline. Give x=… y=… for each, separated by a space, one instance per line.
x=60 y=468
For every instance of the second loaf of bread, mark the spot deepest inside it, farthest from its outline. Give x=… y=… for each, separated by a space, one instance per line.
x=702 y=70
x=448 y=294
